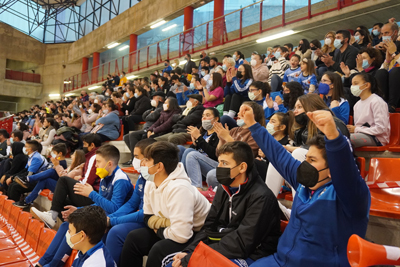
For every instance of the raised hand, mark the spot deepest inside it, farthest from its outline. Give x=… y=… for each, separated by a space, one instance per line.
x=247 y=114
x=278 y=100
x=345 y=69
x=269 y=101
x=223 y=133
x=323 y=119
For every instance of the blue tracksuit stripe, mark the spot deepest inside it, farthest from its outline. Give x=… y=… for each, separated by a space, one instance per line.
x=321 y=223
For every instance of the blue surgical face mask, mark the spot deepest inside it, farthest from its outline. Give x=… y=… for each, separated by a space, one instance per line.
x=240 y=122
x=323 y=88
x=210 y=82
x=338 y=43
x=203 y=73
x=268 y=53
x=375 y=32
x=192 y=86
x=357 y=38
x=11 y=140
x=127 y=94
x=386 y=38
x=224 y=68
x=136 y=95
x=365 y=64
x=277 y=54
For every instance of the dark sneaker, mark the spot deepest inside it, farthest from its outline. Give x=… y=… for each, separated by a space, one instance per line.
x=21 y=204
x=22 y=181
x=128 y=163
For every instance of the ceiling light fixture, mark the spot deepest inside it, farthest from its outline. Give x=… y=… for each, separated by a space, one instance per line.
x=124 y=47
x=275 y=36
x=94 y=87
x=169 y=27
x=112 y=45
x=155 y=25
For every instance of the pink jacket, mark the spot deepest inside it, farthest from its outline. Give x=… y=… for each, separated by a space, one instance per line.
x=77 y=171
x=260 y=73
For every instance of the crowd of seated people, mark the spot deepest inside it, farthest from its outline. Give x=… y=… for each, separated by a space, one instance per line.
x=227 y=132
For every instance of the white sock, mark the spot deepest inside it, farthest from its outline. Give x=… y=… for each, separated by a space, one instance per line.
x=225 y=113
x=54 y=214
x=232 y=114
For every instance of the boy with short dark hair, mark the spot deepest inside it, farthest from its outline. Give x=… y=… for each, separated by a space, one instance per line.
x=244 y=216
x=174 y=210
x=86 y=229
x=36 y=163
x=45 y=179
x=115 y=190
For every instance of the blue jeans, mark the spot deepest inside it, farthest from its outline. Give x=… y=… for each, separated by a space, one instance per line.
x=276 y=83
x=182 y=150
x=200 y=165
x=116 y=238
x=48 y=183
x=238 y=262
x=57 y=249
x=46 y=179
x=228 y=121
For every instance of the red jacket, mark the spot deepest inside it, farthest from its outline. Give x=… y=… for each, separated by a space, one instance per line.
x=92 y=178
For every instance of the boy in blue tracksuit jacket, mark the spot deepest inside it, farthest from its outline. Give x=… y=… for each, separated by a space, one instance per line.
x=130 y=216
x=324 y=215
x=85 y=231
x=115 y=190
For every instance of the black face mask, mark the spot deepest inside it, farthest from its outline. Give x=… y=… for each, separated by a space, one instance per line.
x=286 y=98
x=301 y=119
x=307 y=175
x=81 y=94
x=239 y=75
x=201 y=56
x=313 y=48
x=85 y=149
x=224 y=175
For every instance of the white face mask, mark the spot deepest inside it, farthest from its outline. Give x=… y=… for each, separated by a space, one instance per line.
x=271 y=128
x=189 y=104
x=252 y=96
x=105 y=111
x=136 y=164
x=96 y=101
x=234 y=57
x=53 y=155
x=165 y=107
x=68 y=239
x=253 y=62
x=107 y=94
x=144 y=170
x=153 y=103
x=355 y=89
x=90 y=111
x=328 y=41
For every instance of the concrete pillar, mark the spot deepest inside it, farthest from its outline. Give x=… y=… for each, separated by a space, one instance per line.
x=85 y=67
x=132 y=54
x=219 y=24
x=95 y=68
x=187 y=24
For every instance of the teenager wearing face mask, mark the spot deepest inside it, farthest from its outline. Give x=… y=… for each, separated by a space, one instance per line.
x=278 y=69
x=332 y=90
x=165 y=122
x=244 y=209
x=325 y=184
x=369 y=60
x=347 y=53
x=236 y=90
x=115 y=190
x=376 y=33
x=205 y=141
x=214 y=95
x=142 y=103
x=259 y=69
x=167 y=66
x=174 y=210
x=371 y=118
x=307 y=77
x=303 y=49
x=240 y=133
x=361 y=38
x=87 y=119
x=51 y=127
x=239 y=58
x=85 y=234
x=304 y=129
x=130 y=216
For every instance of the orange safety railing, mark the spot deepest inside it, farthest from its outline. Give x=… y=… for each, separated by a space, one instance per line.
x=226 y=29
x=22 y=76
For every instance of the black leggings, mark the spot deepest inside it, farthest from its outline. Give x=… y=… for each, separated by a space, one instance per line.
x=130 y=122
x=144 y=241
x=233 y=102
x=132 y=138
x=64 y=195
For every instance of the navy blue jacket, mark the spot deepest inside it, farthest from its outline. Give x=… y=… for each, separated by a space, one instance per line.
x=321 y=223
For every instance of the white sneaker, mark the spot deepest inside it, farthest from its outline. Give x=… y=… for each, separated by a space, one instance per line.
x=44 y=216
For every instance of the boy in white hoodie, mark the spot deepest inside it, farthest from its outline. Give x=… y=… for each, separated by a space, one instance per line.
x=174 y=210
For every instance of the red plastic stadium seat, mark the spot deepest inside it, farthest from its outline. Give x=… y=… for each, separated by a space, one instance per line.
x=46 y=236
x=13 y=217
x=71 y=258
x=385 y=202
x=142 y=122
x=121 y=134
x=33 y=233
x=394 y=135
x=189 y=143
x=361 y=162
x=283 y=225
x=45 y=192
x=23 y=223
x=351 y=122
x=9 y=256
x=129 y=170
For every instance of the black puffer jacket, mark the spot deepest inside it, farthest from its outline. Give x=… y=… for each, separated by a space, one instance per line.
x=193 y=118
x=19 y=159
x=249 y=229
x=209 y=147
